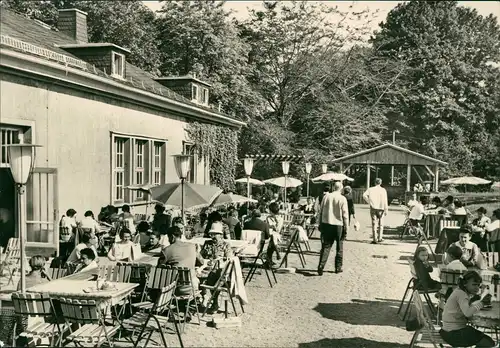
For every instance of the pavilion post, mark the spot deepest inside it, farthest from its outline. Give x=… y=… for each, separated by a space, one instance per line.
x=392 y=175
x=408 y=178
x=436 y=178
x=341 y=166
x=368 y=176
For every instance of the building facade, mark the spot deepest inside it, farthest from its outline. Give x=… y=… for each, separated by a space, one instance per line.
x=102 y=123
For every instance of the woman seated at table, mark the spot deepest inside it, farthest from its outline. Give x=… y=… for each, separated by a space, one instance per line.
x=87 y=261
x=470 y=251
x=458 y=309
x=37 y=274
x=144 y=231
x=153 y=243
x=215 y=252
x=423 y=269
x=122 y=251
x=85 y=243
x=201 y=225
x=459 y=208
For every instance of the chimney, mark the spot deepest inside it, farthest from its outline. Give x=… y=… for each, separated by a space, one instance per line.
x=73 y=23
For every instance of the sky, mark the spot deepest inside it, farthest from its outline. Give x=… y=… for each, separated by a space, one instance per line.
x=241 y=8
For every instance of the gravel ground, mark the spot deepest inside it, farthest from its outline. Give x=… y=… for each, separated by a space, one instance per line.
x=356 y=308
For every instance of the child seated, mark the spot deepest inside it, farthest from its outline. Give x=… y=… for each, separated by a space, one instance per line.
x=424 y=269
x=470 y=251
x=451 y=272
x=457 y=311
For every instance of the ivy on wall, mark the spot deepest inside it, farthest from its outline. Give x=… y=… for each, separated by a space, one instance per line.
x=220 y=145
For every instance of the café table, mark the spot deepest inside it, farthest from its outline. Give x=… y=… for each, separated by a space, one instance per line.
x=432 y=225
x=487 y=274
x=488 y=317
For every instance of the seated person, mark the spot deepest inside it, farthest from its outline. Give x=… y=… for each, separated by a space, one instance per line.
x=201 y=225
x=470 y=251
x=417 y=212
x=454 y=254
x=482 y=220
x=215 y=251
x=160 y=218
x=447 y=207
x=127 y=218
x=233 y=224
x=85 y=243
x=179 y=222
x=435 y=203
x=255 y=223
x=162 y=230
x=89 y=223
x=457 y=311
x=493 y=231
x=459 y=208
x=309 y=207
x=37 y=274
x=153 y=243
x=87 y=260
x=411 y=203
x=122 y=251
x=423 y=270
x=181 y=254
x=144 y=233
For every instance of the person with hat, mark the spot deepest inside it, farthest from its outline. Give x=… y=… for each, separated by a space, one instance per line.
x=217 y=247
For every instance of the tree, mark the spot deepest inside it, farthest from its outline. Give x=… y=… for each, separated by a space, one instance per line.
x=447 y=96
x=129 y=24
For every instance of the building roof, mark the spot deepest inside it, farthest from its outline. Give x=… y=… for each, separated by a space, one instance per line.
x=277 y=158
x=19 y=27
x=389 y=154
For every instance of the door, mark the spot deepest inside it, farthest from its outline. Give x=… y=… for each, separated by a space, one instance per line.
x=42 y=227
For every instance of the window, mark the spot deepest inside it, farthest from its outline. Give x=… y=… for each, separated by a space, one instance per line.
x=9 y=136
x=204 y=99
x=194 y=93
x=136 y=161
x=117 y=65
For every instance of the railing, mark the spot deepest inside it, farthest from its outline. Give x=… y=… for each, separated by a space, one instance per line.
x=42 y=52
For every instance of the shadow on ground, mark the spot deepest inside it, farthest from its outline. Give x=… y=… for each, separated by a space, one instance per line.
x=355 y=342
x=362 y=312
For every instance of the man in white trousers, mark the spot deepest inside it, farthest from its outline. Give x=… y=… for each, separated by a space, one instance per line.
x=376 y=197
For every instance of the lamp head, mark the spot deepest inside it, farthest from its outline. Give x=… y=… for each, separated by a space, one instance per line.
x=286 y=167
x=182 y=165
x=324 y=168
x=248 y=165
x=21 y=160
x=308 y=168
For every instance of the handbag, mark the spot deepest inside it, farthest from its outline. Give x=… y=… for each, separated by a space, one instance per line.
x=413 y=321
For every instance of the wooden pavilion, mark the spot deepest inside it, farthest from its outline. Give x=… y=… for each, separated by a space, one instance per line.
x=393 y=155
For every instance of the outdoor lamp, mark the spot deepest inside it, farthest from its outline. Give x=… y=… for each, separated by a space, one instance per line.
x=21 y=159
x=324 y=168
x=182 y=167
x=285 y=165
x=248 y=165
x=308 y=172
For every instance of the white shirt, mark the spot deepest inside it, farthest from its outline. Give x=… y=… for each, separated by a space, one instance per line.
x=88 y=222
x=495 y=225
x=91 y=266
x=376 y=197
x=417 y=212
x=460 y=211
x=334 y=209
x=121 y=251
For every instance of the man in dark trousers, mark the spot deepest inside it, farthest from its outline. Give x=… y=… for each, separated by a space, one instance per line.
x=333 y=223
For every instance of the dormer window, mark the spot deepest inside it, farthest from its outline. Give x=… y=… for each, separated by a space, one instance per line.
x=194 y=93
x=117 y=65
x=204 y=97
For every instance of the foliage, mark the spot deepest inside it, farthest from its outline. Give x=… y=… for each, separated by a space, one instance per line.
x=218 y=144
x=197 y=37
x=447 y=96
x=129 y=24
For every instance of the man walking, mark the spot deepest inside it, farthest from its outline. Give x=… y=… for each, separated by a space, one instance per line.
x=376 y=197
x=333 y=223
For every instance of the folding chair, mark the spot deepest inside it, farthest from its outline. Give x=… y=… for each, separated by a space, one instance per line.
x=142 y=320
x=89 y=318
x=449 y=280
x=37 y=306
x=158 y=278
x=260 y=260
x=428 y=336
x=119 y=273
x=12 y=260
x=289 y=242
x=223 y=284
x=57 y=272
x=184 y=279
x=417 y=287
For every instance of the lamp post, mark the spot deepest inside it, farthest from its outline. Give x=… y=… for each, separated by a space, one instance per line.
x=324 y=168
x=21 y=159
x=248 y=165
x=182 y=167
x=285 y=165
x=308 y=172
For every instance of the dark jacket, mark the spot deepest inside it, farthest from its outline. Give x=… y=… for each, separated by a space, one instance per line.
x=350 y=203
x=423 y=275
x=258 y=225
x=161 y=219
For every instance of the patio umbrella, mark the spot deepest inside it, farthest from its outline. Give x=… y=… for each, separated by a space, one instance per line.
x=146 y=188
x=231 y=198
x=195 y=195
x=252 y=181
x=466 y=180
x=280 y=181
x=331 y=176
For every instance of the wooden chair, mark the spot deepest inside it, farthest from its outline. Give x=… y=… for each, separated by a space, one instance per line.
x=260 y=260
x=57 y=272
x=162 y=305
x=289 y=242
x=12 y=260
x=223 y=284
x=37 y=306
x=428 y=336
x=449 y=282
x=158 y=278
x=184 y=279
x=119 y=273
